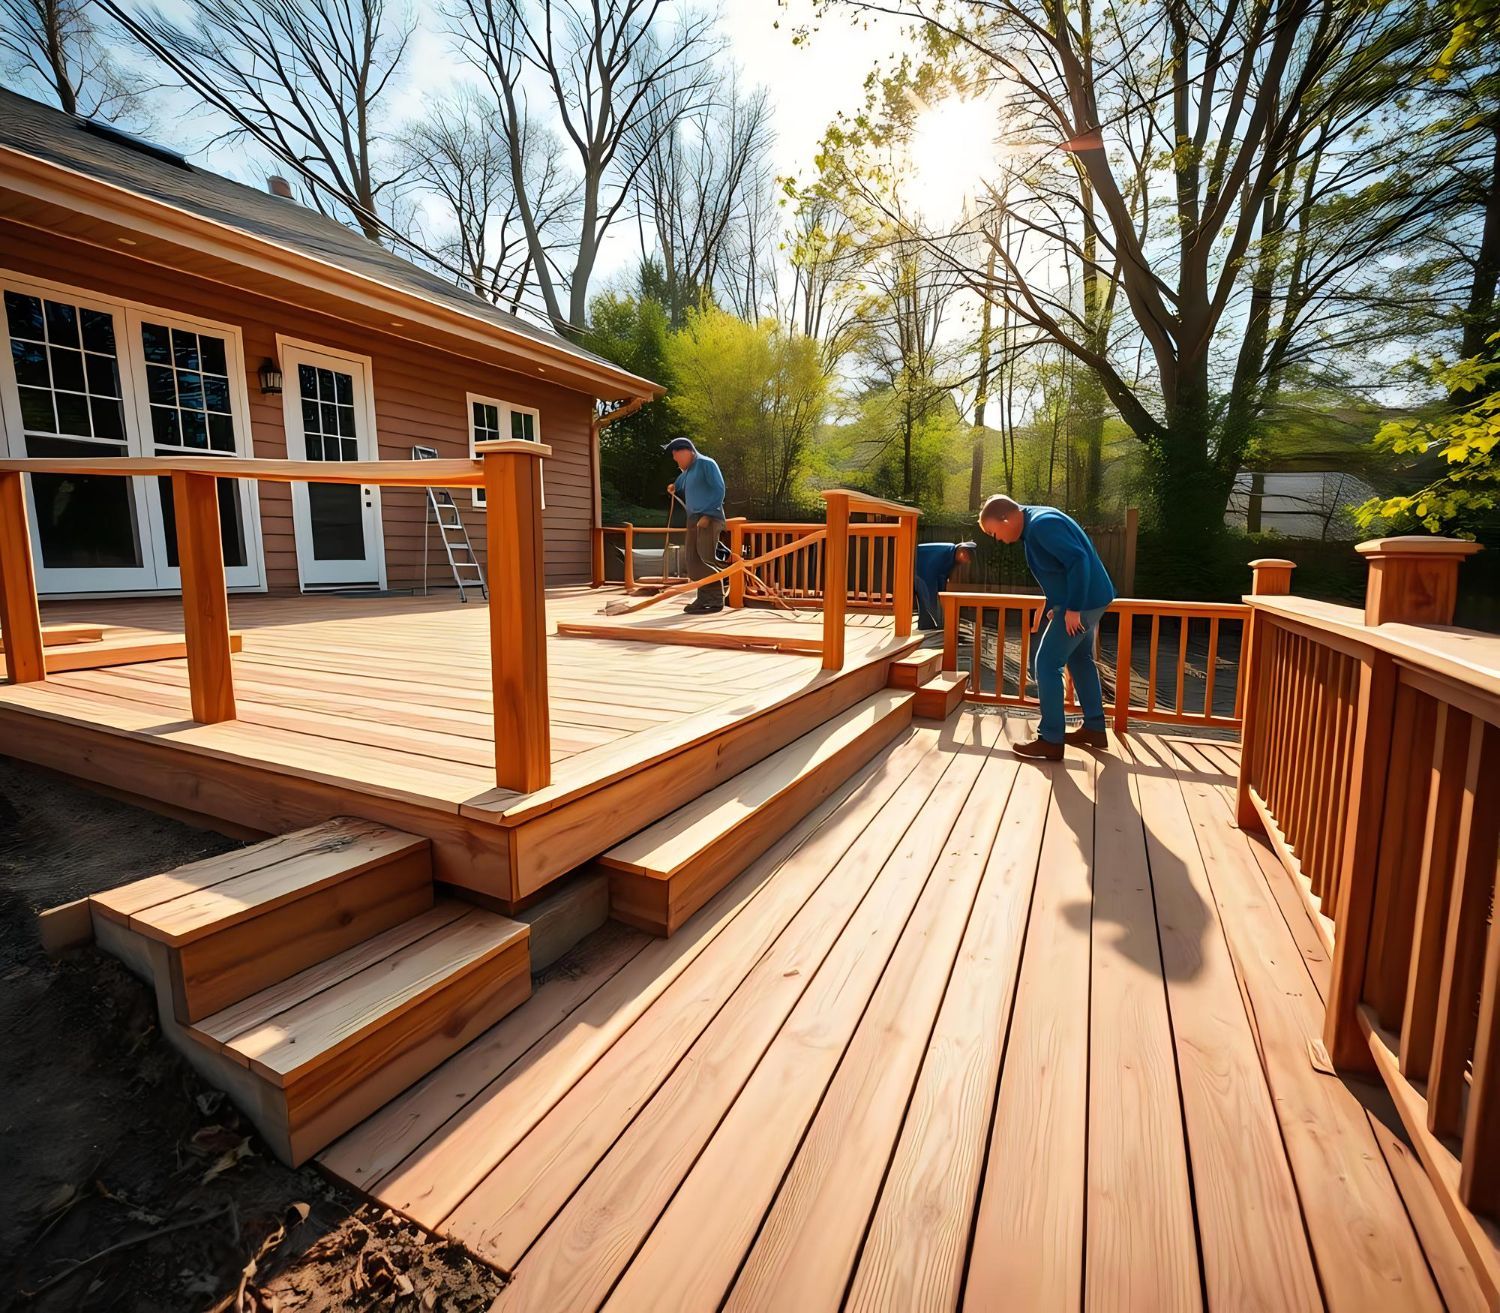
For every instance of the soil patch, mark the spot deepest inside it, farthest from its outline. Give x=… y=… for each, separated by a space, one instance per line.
x=130 y=1184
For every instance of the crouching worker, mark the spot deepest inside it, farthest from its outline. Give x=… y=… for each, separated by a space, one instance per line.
x=935 y=563
x=700 y=488
x=1078 y=591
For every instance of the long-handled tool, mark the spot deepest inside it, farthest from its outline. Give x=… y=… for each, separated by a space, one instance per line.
x=734 y=567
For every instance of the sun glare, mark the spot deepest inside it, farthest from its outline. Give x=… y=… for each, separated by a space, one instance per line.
x=952 y=155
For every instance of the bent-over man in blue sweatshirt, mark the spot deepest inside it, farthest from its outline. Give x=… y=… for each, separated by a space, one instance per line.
x=1078 y=591
x=935 y=563
x=700 y=487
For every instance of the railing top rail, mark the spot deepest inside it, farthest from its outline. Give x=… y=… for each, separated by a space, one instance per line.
x=868 y=505
x=1464 y=655
x=1139 y=605
x=384 y=473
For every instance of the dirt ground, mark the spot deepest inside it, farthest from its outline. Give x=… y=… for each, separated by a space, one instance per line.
x=128 y=1183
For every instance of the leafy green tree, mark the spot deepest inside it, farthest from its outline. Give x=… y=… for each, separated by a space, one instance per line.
x=632 y=332
x=1466 y=494
x=753 y=396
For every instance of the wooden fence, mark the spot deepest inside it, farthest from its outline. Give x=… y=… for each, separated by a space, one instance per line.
x=1371 y=759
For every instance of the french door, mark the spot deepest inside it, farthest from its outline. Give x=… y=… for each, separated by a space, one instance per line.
x=85 y=377
x=329 y=413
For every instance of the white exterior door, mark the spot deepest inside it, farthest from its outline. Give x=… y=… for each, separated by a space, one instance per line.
x=330 y=416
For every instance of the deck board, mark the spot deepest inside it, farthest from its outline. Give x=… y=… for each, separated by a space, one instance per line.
x=1030 y=1030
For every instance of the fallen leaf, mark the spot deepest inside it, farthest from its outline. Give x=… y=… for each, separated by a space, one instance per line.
x=210 y=1102
x=226 y=1161
x=214 y=1140
x=59 y=1199
x=1318 y=1056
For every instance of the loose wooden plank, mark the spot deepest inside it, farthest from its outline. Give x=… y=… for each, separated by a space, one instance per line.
x=1253 y=1248
x=933 y=1182
x=808 y=1243
x=692 y=1254
x=62 y=635
x=123 y=652
x=1028 y=1243
x=20 y=616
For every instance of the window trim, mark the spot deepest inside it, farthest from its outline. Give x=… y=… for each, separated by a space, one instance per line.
x=505 y=409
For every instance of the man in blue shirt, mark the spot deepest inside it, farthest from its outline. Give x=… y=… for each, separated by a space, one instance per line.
x=935 y=562
x=1078 y=591
x=700 y=488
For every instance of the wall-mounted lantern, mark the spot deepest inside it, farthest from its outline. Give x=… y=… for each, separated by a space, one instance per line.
x=270 y=378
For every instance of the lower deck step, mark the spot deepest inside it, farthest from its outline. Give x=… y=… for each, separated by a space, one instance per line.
x=940 y=696
x=662 y=875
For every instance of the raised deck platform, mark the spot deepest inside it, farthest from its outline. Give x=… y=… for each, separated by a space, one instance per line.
x=380 y=707
x=975 y=1033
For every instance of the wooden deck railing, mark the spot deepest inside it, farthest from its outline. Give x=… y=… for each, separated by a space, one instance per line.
x=843 y=503
x=628 y=534
x=871 y=574
x=508 y=471
x=1145 y=677
x=1371 y=759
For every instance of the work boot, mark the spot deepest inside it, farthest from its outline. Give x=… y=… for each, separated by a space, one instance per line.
x=702 y=608
x=1039 y=750
x=1083 y=737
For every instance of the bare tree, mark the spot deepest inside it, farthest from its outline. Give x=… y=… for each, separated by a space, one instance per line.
x=66 y=46
x=601 y=69
x=460 y=160
x=703 y=183
x=307 y=79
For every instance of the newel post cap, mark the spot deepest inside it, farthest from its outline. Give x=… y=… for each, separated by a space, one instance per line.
x=1413 y=580
x=1417 y=545
x=1271 y=576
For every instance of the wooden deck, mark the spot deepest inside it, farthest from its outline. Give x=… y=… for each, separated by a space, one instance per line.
x=975 y=1033
x=380 y=706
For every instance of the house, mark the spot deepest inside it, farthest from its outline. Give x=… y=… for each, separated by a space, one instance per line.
x=155 y=308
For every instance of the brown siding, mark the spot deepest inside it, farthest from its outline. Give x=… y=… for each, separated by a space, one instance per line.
x=419 y=398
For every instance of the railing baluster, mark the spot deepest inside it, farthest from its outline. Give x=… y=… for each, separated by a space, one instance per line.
x=629 y=579
x=1151 y=677
x=835 y=580
x=737 y=553
x=1123 y=671
x=1211 y=669
x=1183 y=627
x=1479 y=1179
x=1028 y=614
x=1002 y=623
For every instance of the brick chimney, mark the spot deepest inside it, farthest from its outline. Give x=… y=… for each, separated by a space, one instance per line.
x=279 y=186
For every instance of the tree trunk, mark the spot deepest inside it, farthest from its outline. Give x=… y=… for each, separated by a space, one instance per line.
x=982 y=391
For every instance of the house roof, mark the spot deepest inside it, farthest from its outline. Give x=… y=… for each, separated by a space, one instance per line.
x=64 y=140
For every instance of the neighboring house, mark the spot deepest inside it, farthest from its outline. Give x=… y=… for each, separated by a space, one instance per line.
x=148 y=307
x=1296 y=503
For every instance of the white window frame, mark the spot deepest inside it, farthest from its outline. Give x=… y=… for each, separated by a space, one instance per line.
x=505 y=409
x=130 y=358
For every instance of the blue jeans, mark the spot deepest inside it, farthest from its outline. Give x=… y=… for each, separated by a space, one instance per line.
x=929 y=609
x=1058 y=650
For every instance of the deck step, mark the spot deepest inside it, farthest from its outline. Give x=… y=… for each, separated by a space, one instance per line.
x=913 y=671
x=940 y=696
x=662 y=875
x=321 y=1051
x=235 y=924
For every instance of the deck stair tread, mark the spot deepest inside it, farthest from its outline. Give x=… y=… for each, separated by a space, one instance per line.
x=283 y=1046
x=182 y=906
x=915 y=670
x=939 y=697
x=667 y=847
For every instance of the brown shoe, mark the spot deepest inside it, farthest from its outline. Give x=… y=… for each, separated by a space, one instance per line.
x=1087 y=738
x=1039 y=750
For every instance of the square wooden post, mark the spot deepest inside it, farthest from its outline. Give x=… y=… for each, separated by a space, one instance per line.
x=1413 y=581
x=518 y=612
x=596 y=556
x=20 y=616
x=205 y=603
x=736 y=552
x=1269 y=577
x=628 y=579
x=904 y=587
x=1123 y=671
x=835 y=579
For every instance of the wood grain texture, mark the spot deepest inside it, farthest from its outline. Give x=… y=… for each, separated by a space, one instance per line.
x=20 y=619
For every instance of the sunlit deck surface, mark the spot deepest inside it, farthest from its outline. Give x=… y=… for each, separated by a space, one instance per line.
x=386 y=701
x=976 y=1033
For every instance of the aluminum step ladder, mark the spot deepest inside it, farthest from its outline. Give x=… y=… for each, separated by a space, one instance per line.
x=460 y=552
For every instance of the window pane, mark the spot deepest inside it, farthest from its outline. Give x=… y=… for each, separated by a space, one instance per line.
x=350 y=448
x=522 y=426
x=329 y=420
x=189 y=390
x=67 y=369
x=164 y=426
x=337 y=522
x=104 y=377
x=211 y=354
x=185 y=349
x=194 y=429
x=221 y=432
x=344 y=389
x=36 y=410
x=72 y=414
x=346 y=421
x=310 y=421
x=24 y=315
x=31 y=363
x=99 y=331
x=83 y=522
x=307 y=381
x=62 y=324
x=156 y=343
x=325 y=385
x=159 y=386
x=109 y=421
